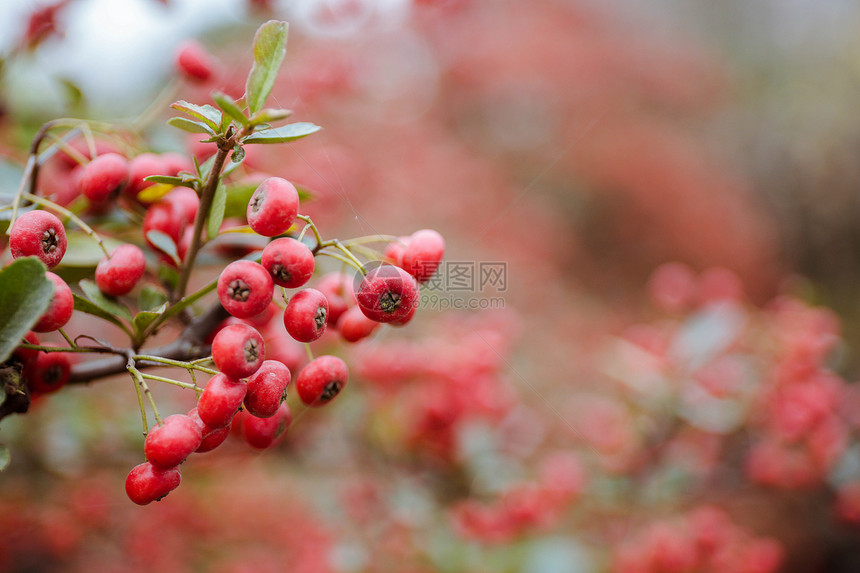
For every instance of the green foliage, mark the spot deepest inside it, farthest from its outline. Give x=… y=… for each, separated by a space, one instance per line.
x=216 y=214
x=107 y=304
x=230 y=107
x=25 y=294
x=190 y=126
x=207 y=114
x=87 y=306
x=165 y=244
x=270 y=46
x=283 y=134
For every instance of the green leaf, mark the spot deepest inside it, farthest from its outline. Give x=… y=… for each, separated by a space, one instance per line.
x=166 y=179
x=146 y=317
x=25 y=294
x=269 y=115
x=216 y=214
x=165 y=244
x=230 y=107
x=238 y=154
x=88 y=307
x=5 y=458
x=205 y=113
x=109 y=305
x=270 y=46
x=283 y=134
x=150 y=297
x=190 y=125
x=168 y=276
x=83 y=251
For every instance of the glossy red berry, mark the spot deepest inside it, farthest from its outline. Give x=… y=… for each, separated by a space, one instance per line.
x=290 y=262
x=104 y=177
x=212 y=437
x=262 y=433
x=245 y=288
x=423 y=253
x=118 y=275
x=194 y=62
x=387 y=293
x=321 y=380
x=143 y=165
x=165 y=217
x=394 y=250
x=266 y=389
x=39 y=234
x=26 y=355
x=353 y=325
x=146 y=483
x=220 y=401
x=273 y=207
x=186 y=200
x=238 y=350
x=60 y=310
x=169 y=443
x=48 y=373
x=305 y=315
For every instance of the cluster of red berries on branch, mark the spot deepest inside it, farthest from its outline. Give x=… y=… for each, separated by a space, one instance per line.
x=170 y=210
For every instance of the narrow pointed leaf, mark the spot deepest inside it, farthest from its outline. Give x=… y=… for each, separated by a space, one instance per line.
x=190 y=125
x=86 y=306
x=165 y=244
x=230 y=107
x=205 y=113
x=216 y=215
x=98 y=298
x=283 y=134
x=270 y=46
x=25 y=294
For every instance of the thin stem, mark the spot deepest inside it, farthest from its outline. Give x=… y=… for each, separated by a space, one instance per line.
x=370 y=239
x=340 y=246
x=69 y=340
x=309 y=351
x=206 y=197
x=143 y=385
x=185 y=385
x=66 y=213
x=137 y=378
x=177 y=363
x=81 y=349
x=344 y=260
x=313 y=228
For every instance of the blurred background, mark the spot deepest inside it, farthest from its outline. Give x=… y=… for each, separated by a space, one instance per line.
x=658 y=378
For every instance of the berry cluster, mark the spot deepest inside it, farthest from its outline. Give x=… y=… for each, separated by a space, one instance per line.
x=173 y=208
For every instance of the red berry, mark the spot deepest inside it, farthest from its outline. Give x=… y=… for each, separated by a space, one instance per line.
x=194 y=62
x=405 y=320
x=387 y=293
x=212 y=437
x=238 y=350
x=48 y=373
x=187 y=201
x=143 y=165
x=39 y=234
x=305 y=315
x=220 y=401
x=245 y=288
x=263 y=433
x=26 y=355
x=146 y=483
x=169 y=443
x=321 y=380
x=166 y=217
x=353 y=325
x=60 y=310
x=423 y=253
x=262 y=320
x=290 y=262
x=104 y=177
x=394 y=250
x=266 y=389
x=117 y=275
x=175 y=163
x=273 y=207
